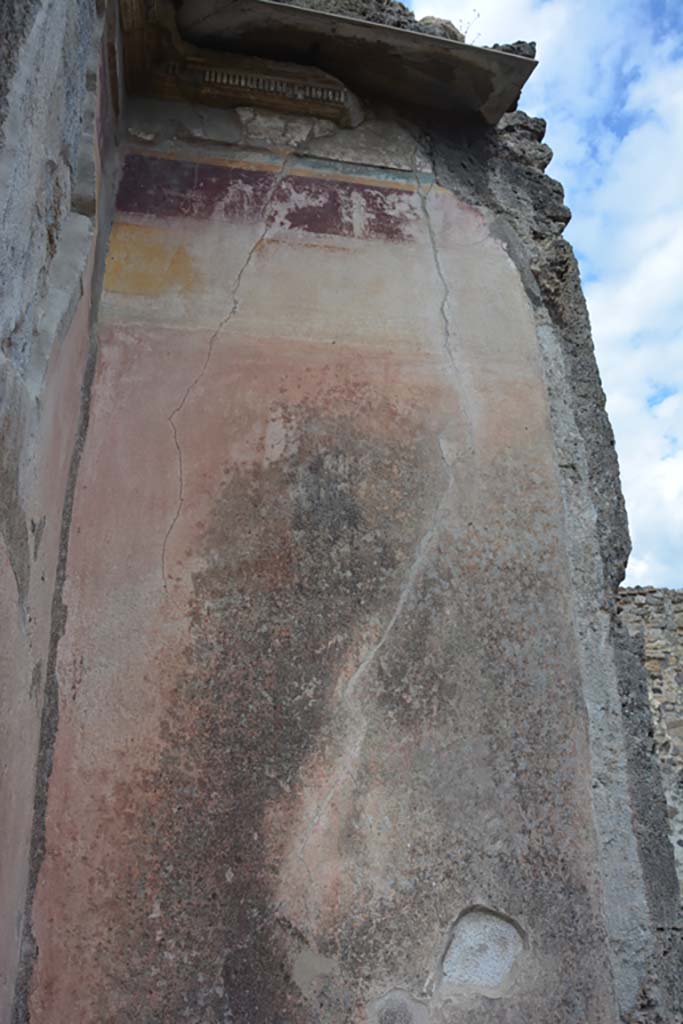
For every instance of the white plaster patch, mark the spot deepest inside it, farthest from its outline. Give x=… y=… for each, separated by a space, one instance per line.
x=376 y=142
x=263 y=128
x=310 y=971
x=449 y=451
x=275 y=441
x=482 y=953
x=397 y=1007
x=279 y=442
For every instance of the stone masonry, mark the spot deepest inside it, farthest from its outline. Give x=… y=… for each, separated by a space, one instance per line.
x=315 y=705
x=655 y=618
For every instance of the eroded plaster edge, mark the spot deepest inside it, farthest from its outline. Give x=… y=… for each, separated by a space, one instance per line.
x=636 y=857
x=502 y=172
x=75 y=275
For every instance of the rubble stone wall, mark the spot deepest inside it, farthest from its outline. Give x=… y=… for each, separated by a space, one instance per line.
x=654 y=617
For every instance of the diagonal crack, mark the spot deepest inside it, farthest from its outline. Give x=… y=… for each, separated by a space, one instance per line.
x=234 y=306
x=445 y=311
x=346 y=770
x=406 y=590
x=357 y=724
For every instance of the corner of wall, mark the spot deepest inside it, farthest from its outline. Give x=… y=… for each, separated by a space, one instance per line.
x=57 y=175
x=502 y=171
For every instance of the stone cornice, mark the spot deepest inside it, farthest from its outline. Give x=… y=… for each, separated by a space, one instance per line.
x=295 y=60
x=158 y=62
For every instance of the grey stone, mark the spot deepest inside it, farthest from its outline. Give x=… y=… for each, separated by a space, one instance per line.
x=653 y=624
x=520 y=48
x=152 y=120
x=482 y=953
x=382 y=12
x=441 y=27
x=43 y=99
x=50 y=214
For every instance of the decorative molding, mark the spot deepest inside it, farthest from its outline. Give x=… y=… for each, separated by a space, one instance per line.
x=158 y=62
x=276 y=86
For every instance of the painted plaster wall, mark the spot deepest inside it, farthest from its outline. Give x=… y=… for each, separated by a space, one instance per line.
x=341 y=695
x=318 y=608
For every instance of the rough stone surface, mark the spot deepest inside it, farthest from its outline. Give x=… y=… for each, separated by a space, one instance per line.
x=398 y=1007
x=396 y=14
x=383 y=12
x=482 y=953
x=51 y=243
x=440 y=27
x=520 y=48
x=491 y=169
x=654 y=618
x=48 y=47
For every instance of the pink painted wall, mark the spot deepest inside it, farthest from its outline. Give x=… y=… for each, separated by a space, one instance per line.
x=318 y=609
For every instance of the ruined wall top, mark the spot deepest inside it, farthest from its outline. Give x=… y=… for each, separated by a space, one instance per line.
x=384 y=12
x=397 y=15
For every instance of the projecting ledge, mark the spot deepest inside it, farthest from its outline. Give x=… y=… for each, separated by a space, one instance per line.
x=372 y=59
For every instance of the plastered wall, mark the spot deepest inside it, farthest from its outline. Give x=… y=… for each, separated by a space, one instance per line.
x=323 y=713
x=296 y=744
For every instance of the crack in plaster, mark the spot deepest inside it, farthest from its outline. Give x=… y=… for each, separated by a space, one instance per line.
x=207 y=359
x=446 y=293
x=468 y=453
x=348 y=767
x=357 y=722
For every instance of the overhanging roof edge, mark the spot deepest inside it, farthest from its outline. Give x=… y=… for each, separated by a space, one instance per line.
x=395 y=63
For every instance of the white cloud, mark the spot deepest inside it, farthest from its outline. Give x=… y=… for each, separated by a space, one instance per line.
x=610 y=85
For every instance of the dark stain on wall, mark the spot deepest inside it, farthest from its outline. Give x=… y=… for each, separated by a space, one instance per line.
x=298 y=554
x=13 y=528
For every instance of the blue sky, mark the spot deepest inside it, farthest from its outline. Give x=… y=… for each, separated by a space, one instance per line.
x=610 y=85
